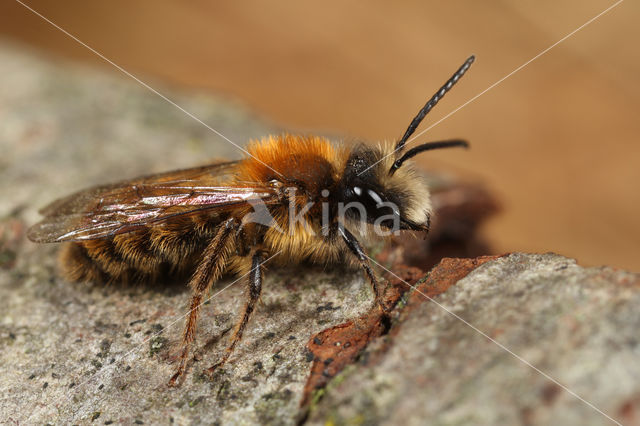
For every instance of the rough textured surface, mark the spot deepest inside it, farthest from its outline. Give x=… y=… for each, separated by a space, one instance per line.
x=73 y=353
x=578 y=325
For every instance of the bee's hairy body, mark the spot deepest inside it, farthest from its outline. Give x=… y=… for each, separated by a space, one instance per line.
x=205 y=221
x=307 y=166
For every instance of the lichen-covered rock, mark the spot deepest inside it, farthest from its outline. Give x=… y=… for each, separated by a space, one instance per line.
x=462 y=358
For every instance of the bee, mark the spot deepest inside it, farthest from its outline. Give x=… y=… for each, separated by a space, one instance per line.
x=296 y=197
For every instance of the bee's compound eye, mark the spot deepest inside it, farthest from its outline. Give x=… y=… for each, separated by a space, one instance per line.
x=375 y=197
x=357 y=190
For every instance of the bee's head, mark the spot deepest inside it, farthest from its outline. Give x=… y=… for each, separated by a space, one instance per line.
x=368 y=192
x=379 y=186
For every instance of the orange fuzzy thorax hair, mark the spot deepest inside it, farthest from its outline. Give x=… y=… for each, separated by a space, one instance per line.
x=294 y=158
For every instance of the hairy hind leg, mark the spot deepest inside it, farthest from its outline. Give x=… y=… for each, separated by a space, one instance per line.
x=209 y=270
x=254 y=288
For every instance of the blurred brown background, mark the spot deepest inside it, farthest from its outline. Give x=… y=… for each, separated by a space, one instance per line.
x=557 y=141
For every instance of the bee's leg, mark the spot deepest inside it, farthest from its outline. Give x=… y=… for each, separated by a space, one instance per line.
x=357 y=250
x=209 y=270
x=253 y=294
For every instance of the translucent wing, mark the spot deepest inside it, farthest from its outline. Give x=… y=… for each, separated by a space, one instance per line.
x=109 y=210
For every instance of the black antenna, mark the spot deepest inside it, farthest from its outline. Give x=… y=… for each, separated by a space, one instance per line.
x=426 y=147
x=432 y=102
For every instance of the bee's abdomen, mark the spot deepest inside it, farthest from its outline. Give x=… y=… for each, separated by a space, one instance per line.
x=149 y=254
x=103 y=261
x=77 y=264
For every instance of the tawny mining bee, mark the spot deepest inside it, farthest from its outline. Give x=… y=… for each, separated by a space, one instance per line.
x=297 y=197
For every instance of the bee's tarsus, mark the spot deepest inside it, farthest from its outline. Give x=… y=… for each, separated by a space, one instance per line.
x=254 y=289
x=209 y=270
x=174 y=379
x=355 y=248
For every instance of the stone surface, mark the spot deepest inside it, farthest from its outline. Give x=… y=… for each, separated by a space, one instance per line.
x=577 y=325
x=73 y=353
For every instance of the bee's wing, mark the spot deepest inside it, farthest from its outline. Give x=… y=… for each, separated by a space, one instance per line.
x=212 y=175
x=109 y=210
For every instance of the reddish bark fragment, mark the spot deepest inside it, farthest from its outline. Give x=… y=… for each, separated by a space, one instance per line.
x=336 y=347
x=442 y=276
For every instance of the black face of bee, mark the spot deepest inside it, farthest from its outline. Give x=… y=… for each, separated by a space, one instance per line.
x=364 y=198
